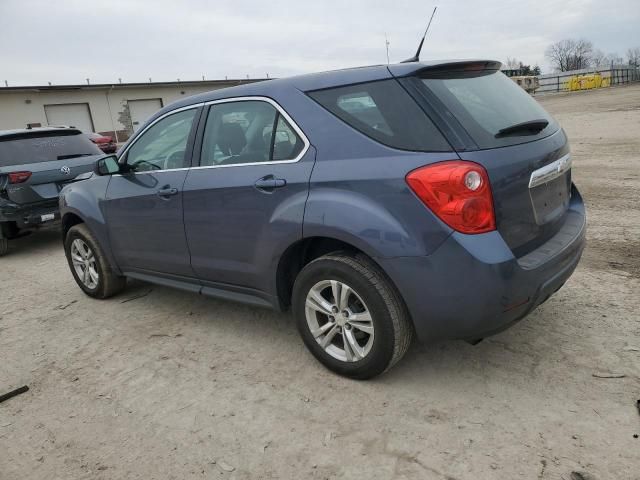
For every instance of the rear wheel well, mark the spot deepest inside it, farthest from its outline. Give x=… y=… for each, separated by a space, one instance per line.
x=68 y=221
x=300 y=254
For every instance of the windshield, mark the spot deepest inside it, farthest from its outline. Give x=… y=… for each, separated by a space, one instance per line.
x=487 y=102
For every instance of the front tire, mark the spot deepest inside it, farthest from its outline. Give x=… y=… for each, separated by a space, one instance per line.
x=350 y=316
x=88 y=264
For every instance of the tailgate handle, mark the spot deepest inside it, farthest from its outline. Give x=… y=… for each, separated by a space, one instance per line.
x=167 y=191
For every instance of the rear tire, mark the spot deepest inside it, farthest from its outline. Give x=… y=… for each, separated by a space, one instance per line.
x=9 y=230
x=368 y=325
x=4 y=245
x=89 y=266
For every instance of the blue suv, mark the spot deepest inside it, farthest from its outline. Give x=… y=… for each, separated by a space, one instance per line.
x=376 y=203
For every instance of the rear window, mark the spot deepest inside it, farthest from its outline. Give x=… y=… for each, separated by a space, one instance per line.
x=26 y=148
x=486 y=102
x=385 y=112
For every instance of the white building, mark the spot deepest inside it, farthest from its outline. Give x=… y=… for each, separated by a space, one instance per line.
x=116 y=110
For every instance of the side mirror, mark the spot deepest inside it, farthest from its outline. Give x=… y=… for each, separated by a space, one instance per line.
x=107 y=166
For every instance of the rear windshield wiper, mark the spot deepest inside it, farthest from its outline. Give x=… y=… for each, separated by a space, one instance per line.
x=74 y=155
x=530 y=127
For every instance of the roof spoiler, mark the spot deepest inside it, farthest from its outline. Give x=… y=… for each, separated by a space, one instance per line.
x=437 y=69
x=36 y=133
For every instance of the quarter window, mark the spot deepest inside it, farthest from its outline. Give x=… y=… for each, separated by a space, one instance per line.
x=247 y=132
x=385 y=112
x=164 y=145
x=286 y=144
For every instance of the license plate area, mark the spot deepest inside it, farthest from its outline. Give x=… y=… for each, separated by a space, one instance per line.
x=550 y=200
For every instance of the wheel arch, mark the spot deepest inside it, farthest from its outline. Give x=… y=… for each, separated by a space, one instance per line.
x=304 y=251
x=73 y=217
x=70 y=219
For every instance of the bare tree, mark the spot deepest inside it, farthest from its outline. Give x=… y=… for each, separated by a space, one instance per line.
x=599 y=59
x=633 y=56
x=559 y=53
x=614 y=59
x=582 y=54
x=512 y=63
x=570 y=54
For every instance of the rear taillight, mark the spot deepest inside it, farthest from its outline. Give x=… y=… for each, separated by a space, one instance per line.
x=458 y=192
x=18 y=177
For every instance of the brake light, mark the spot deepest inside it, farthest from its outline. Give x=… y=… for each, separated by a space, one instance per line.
x=458 y=192
x=18 y=177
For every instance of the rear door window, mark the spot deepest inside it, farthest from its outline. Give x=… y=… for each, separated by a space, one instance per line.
x=385 y=112
x=486 y=102
x=35 y=147
x=248 y=132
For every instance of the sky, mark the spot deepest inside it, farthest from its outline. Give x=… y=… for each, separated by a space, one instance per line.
x=67 y=41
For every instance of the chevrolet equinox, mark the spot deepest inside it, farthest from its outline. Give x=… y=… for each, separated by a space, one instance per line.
x=429 y=198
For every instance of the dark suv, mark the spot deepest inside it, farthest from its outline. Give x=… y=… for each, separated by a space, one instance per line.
x=34 y=166
x=433 y=198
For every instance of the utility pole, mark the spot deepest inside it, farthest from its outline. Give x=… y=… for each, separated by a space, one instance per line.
x=386 y=42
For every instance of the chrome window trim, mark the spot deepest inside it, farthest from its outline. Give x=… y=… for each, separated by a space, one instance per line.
x=275 y=104
x=282 y=112
x=549 y=172
x=161 y=117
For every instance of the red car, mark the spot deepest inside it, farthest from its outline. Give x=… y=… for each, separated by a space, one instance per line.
x=104 y=143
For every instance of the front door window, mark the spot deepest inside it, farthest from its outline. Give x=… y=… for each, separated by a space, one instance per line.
x=163 y=146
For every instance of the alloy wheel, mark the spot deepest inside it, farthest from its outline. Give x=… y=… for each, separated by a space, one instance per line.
x=339 y=320
x=84 y=263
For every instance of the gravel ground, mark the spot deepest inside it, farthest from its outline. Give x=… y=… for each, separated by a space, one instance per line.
x=162 y=384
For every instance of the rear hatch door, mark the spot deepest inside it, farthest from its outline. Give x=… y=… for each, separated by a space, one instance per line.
x=51 y=158
x=492 y=121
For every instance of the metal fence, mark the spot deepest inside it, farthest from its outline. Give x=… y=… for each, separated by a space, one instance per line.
x=587 y=79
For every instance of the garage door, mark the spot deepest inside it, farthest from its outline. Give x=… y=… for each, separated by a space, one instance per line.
x=71 y=115
x=141 y=110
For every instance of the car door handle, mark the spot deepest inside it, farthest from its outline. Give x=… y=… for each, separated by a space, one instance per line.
x=167 y=192
x=269 y=183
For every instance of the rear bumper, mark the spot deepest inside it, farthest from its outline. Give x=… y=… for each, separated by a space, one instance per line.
x=473 y=286
x=29 y=215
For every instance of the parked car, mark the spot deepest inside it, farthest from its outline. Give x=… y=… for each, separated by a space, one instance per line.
x=34 y=166
x=105 y=143
x=428 y=198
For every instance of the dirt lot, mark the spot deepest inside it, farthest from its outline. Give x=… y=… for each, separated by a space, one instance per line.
x=162 y=384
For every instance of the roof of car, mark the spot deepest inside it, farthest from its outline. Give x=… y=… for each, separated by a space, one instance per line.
x=33 y=131
x=318 y=81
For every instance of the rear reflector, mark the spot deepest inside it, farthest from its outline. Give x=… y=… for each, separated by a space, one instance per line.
x=458 y=192
x=18 y=177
